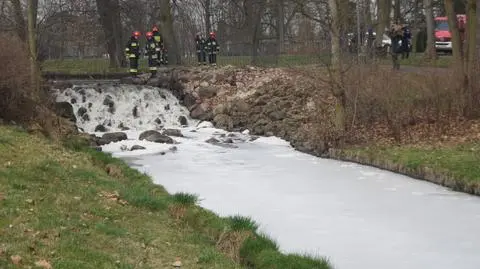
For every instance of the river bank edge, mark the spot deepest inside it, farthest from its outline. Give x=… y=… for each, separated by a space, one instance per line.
x=419 y=172
x=229 y=242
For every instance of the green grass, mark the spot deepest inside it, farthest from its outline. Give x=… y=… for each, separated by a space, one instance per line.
x=59 y=203
x=101 y=66
x=460 y=161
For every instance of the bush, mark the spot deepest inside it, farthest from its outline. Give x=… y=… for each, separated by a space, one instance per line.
x=18 y=98
x=21 y=101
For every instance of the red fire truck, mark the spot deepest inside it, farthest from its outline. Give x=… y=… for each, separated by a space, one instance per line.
x=443 y=36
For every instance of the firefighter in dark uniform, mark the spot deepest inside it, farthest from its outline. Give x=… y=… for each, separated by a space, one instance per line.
x=201 y=43
x=151 y=51
x=212 y=48
x=161 y=51
x=133 y=52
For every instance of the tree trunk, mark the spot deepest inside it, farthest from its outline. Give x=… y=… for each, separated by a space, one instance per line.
x=109 y=12
x=166 y=23
x=397 y=11
x=430 y=52
x=382 y=20
x=337 y=87
x=32 y=8
x=456 y=42
x=472 y=60
x=208 y=15
x=281 y=26
x=19 y=19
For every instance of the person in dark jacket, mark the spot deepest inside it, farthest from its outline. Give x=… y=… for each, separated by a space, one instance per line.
x=396 y=35
x=201 y=43
x=406 y=42
x=161 y=50
x=133 y=52
x=212 y=48
x=151 y=51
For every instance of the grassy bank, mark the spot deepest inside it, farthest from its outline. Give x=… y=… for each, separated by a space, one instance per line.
x=68 y=206
x=454 y=166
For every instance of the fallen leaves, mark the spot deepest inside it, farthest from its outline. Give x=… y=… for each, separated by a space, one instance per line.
x=43 y=264
x=114 y=171
x=2 y=197
x=113 y=196
x=16 y=259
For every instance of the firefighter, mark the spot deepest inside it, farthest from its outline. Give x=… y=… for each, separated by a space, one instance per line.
x=200 y=46
x=212 y=48
x=133 y=52
x=150 y=49
x=161 y=51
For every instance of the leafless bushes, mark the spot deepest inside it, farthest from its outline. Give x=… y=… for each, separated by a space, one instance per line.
x=17 y=95
x=20 y=102
x=416 y=103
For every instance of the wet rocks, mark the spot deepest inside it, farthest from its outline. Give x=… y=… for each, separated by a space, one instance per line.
x=154 y=136
x=137 y=147
x=172 y=132
x=219 y=143
x=114 y=137
x=201 y=112
x=65 y=110
x=100 y=128
x=108 y=101
x=81 y=111
x=183 y=120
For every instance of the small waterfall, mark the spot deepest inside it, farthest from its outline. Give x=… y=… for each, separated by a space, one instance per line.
x=108 y=108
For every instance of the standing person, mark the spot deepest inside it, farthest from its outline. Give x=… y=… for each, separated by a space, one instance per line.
x=396 y=35
x=151 y=51
x=161 y=51
x=212 y=48
x=406 y=42
x=133 y=52
x=200 y=46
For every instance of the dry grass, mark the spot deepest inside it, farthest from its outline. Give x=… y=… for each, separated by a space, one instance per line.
x=21 y=102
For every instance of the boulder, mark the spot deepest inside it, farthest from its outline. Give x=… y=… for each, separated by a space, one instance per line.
x=137 y=147
x=100 y=128
x=206 y=92
x=172 y=132
x=183 y=120
x=81 y=111
x=154 y=136
x=114 y=137
x=201 y=113
x=223 y=121
x=65 y=110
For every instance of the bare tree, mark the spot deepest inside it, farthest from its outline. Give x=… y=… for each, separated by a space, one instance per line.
x=430 y=52
x=109 y=12
x=166 y=23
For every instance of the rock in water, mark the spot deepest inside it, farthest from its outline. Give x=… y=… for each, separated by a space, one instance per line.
x=173 y=132
x=100 y=128
x=65 y=110
x=114 y=137
x=154 y=136
x=182 y=120
x=137 y=147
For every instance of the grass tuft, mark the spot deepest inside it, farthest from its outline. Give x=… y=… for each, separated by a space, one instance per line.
x=184 y=199
x=241 y=223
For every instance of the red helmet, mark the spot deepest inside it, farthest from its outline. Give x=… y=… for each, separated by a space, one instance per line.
x=136 y=34
x=154 y=28
x=149 y=34
x=212 y=34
